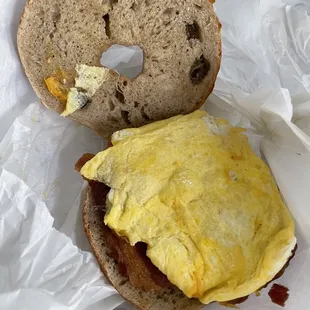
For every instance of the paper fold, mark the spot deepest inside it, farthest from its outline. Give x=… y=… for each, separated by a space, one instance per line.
x=263 y=85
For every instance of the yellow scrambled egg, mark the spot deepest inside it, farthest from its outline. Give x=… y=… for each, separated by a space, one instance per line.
x=207 y=207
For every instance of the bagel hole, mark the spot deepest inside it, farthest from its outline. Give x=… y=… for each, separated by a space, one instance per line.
x=127 y=61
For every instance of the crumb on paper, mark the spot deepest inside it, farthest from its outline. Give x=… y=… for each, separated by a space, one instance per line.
x=34 y=119
x=228 y=305
x=51 y=187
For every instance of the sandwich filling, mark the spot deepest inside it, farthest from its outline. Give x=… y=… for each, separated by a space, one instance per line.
x=132 y=261
x=207 y=207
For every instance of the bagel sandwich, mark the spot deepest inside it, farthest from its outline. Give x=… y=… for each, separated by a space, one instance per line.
x=181 y=213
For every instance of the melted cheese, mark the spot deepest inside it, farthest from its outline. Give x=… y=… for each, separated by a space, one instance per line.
x=56 y=88
x=89 y=79
x=207 y=207
x=75 y=101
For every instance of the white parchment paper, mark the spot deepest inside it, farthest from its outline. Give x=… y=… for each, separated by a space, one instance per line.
x=263 y=84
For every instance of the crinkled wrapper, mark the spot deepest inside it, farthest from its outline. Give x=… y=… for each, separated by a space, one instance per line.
x=263 y=85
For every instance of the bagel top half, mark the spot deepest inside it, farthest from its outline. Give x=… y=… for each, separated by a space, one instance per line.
x=180 y=42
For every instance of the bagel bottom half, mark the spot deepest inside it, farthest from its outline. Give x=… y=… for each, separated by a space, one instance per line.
x=166 y=298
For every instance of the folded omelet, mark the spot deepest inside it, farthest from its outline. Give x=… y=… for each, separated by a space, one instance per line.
x=207 y=207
